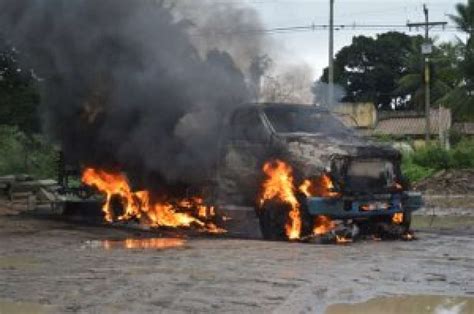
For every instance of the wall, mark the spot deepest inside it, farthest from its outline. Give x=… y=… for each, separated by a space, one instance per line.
x=364 y=114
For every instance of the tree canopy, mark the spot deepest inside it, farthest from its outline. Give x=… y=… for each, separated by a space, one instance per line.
x=19 y=98
x=444 y=63
x=369 y=68
x=461 y=98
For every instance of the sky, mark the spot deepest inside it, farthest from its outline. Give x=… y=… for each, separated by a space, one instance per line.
x=312 y=46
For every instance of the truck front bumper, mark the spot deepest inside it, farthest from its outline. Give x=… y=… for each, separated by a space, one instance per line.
x=341 y=208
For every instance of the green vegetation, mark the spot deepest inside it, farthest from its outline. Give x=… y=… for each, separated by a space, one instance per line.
x=443 y=68
x=22 y=148
x=19 y=96
x=461 y=98
x=21 y=153
x=426 y=161
x=415 y=172
x=388 y=70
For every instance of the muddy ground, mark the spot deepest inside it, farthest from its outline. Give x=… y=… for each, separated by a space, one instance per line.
x=57 y=266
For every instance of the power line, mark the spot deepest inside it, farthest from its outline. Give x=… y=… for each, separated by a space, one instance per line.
x=317 y=27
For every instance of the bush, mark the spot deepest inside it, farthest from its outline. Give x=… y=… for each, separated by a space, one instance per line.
x=426 y=161
x=462 y=156
x=20 y=153
x=432 y=157
x=454 y=136
x=415 y=172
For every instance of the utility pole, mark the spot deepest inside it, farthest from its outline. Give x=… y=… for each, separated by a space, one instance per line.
x=331 y=55
x=426 y=50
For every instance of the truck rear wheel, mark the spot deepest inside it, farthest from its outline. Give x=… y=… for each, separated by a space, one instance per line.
x=273 y=215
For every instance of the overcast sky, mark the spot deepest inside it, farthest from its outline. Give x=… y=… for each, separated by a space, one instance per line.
x=312 y=46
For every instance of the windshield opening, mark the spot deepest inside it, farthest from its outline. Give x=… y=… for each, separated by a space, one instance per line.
x=302 y=120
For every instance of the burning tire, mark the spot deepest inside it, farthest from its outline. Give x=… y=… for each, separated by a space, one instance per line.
x=385 y=227
x=116 y=207
x=273 y=216
x=406 y=222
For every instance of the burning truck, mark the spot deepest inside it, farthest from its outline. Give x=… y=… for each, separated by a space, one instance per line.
x=137 y=104
x=309 y=175
x=306 y=174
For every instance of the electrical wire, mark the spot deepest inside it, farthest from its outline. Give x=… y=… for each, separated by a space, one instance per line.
x=320 y=27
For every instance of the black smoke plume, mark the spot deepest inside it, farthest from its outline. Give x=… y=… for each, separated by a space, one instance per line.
x=124 y=85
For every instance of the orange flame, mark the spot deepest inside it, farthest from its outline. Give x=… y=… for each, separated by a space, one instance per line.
x=323 y=225
x=279 y=185
x=152 y=243
x=305 y=188
x=397 y=218
x=202 y=210
x=110 y=184
x=328 y=186
x=138 y=204
x=321 y=186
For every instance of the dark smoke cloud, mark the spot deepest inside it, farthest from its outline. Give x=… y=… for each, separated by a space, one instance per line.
x=125 y=85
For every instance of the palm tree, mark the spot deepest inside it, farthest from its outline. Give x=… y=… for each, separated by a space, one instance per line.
x=444 y=76
x=461 y=98
x=465 y=22
x=465 y=17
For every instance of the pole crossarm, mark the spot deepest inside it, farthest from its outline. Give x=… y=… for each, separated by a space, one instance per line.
x=423 y=24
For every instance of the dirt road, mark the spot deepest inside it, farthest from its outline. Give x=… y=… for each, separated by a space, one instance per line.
x=51 y=266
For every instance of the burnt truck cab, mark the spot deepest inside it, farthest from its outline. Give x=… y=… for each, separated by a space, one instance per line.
x=366 y=175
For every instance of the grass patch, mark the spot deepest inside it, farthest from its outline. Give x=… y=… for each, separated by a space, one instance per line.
x=415 y=172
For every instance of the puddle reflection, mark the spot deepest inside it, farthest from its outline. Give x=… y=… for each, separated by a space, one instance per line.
x=140 y=244
x=24 y=307
x=421 y=304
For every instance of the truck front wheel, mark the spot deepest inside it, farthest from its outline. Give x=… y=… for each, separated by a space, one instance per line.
x=406 y=222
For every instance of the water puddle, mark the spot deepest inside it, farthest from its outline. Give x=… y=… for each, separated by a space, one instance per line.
x=139 y=244
x=416 y=304
x=18 y=262
x=445 y=222
x=24 y=307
